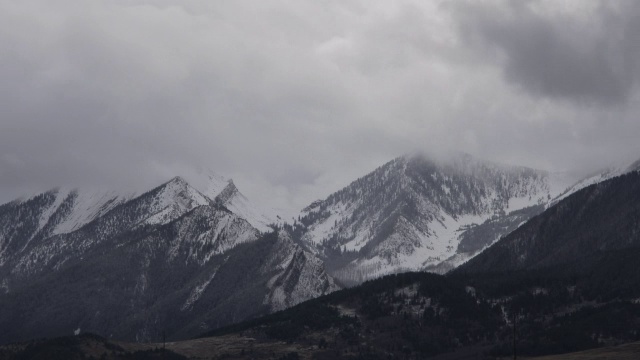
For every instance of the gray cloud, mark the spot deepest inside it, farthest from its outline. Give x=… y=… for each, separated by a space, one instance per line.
x=592 y=57
x=296 y=99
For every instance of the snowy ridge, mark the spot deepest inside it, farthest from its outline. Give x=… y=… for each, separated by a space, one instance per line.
x=223 y=190
x=66 y=211
x=87 y=206
x=172 y=247
x=598 y=177
x=174 y=199
x=206 y=233
x=73 y=222
x=236 y=202
x=413 y=213
x=59 y=195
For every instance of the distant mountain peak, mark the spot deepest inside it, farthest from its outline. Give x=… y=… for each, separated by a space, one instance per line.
x=224 y=191
x=228 y=193
x=416 y=211
x=177 y=180
x=169 y=249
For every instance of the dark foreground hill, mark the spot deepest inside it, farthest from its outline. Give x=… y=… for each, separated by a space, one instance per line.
x=411 y=316
x=86 y=346
x=90 y=346
x=566 y=281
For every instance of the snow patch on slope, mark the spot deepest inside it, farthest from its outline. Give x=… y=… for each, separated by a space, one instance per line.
x=174 y=199
x=321 y=230
x=61 y=195
x=241 y=206
x=88 y=205
x=609 y=173
x=411 y=213
x=221 y=189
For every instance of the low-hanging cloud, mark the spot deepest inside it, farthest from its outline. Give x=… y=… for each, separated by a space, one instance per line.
x=294 y=99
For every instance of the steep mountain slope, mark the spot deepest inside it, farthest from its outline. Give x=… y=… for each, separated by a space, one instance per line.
x=417 y=212
x=170 y=259
x=568 y=278
x=59 y=211
x=224 y=191
x=598 y=176
x=235 y=201
x=582 y=229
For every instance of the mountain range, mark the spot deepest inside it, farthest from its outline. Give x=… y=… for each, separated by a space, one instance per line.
x=427 y=213
x=193 y=255
x=172 y=259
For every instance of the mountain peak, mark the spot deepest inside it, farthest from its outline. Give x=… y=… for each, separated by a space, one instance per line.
x=178 y=180
x=228 y=193
x=439 y=157
x=415 y=212
x=212 y=187
x=207 y=182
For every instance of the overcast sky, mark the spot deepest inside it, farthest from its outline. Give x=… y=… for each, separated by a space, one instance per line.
x=294 y=99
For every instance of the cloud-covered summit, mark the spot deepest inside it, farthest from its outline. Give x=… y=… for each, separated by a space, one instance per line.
x=294 y=99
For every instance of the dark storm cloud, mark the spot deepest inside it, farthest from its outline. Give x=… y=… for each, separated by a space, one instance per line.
x=294 y=99
x=590 y=58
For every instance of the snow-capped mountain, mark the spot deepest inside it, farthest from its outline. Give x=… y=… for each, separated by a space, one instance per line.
x=123 y=264
x=417 y=212
x=430 y=213
x=594 y=228
x=194 y=253
x=224 y=191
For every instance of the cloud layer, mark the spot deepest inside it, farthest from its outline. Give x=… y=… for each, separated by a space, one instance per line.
x=293 y=99
x=563 y=49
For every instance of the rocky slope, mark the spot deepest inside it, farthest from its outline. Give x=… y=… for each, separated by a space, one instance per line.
x=429 y=213
x=582 y=229
x=417 y=212
x=172 y=259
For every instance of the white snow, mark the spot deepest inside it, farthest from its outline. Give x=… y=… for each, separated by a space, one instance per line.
x=573 y=184
x=211 y=185
x=432 y=238
x=174 y=200
x=440 y=243
x=88 y=205
x=588 y=181
x=61 y=195
x=242 y=207
x=320 y=231
x=163 y=216
x=360 y=239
